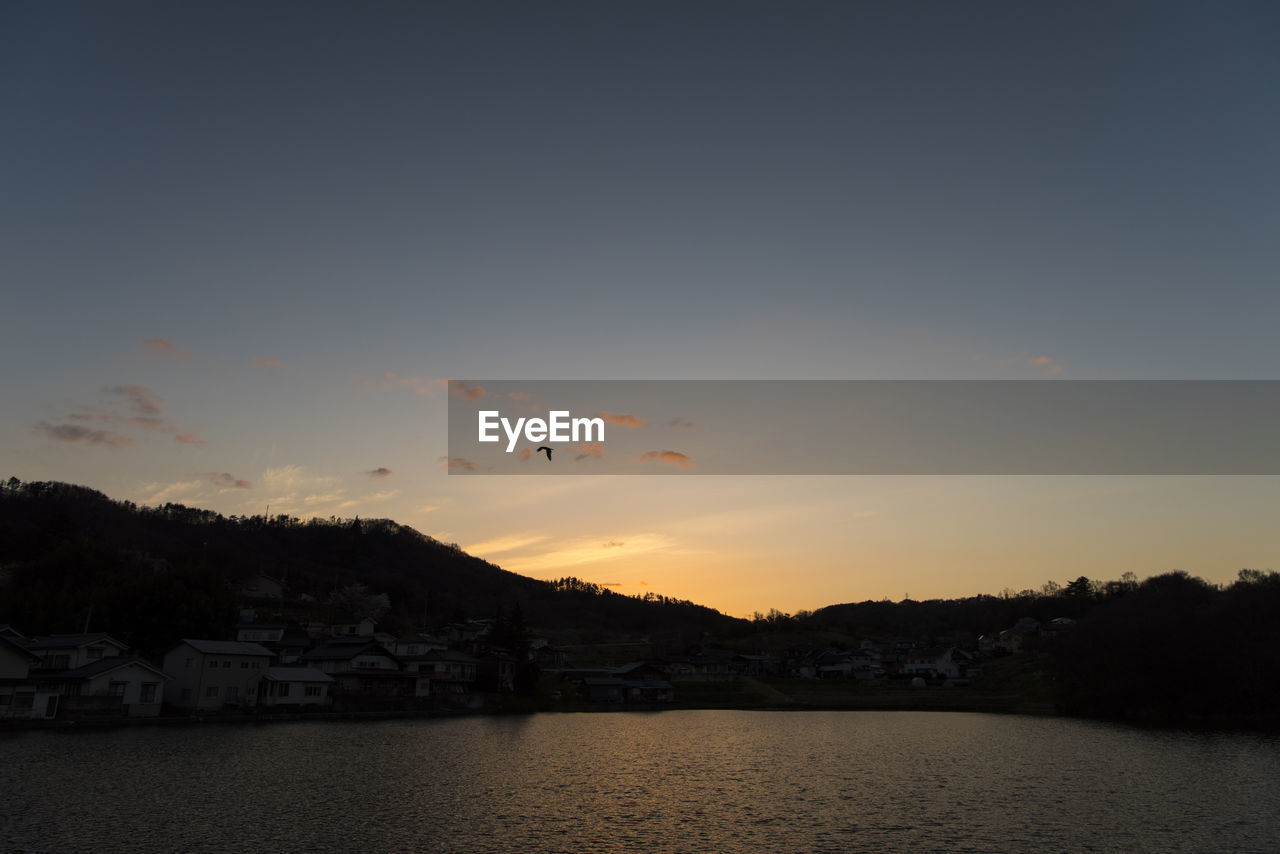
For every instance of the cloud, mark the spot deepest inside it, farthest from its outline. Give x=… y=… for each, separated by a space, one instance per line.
x=188 y=438
x=164 y=348
x=1046 y=364
x=75 y=433
x=269 y=363
x=586 y=550
x=623 y=420
x=505 y=543
x=142 y=399
x=467 y=392
x=417 y=385
x=681 y=422
x=524 y=455
x=519 y=395
x=380 y=473
x=453 y=464
x=592 y=451
x=223 y=480
x=613 y=544
x=670 y=458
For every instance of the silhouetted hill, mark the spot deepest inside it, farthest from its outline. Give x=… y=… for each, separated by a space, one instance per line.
x=153 y=574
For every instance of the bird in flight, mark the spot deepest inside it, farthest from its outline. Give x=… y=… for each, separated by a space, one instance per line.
x=545 y=448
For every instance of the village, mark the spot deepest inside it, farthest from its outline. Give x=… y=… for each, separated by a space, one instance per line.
x=269 y=665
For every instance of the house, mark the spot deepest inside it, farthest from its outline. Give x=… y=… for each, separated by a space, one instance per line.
x=118 y=686
x=211 y=675
x=20 y=698
x=952 y=663
x=262 y=587
x=352 y=627
x=412 y=645
x=361 y=666
x=451 y=671
x=295 y=686
x=263 y=633
x=67 y=652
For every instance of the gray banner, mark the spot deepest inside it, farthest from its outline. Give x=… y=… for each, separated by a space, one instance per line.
x=683 y=427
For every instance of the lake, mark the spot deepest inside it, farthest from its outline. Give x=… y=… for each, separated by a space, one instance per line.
x=629 y=781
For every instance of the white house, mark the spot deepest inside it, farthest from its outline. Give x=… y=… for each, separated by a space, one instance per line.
x=67 y=652
x=20 y=698
x=211 y=674
x=108 y=686
x=295 y=686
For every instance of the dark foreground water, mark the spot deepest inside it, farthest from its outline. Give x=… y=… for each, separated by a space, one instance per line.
x=669 y=781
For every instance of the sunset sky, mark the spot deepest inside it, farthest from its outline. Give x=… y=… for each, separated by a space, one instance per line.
x=243 y=246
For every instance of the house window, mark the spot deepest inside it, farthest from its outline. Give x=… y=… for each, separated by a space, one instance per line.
x=94 y=653
x=116 y=689
x=59 y=662
x=6 y=699
x=213 y=663
x=233 y=693
x=189 y=660
x=211 y=691
x=282 y=690
x=24 y=701
x=186 y=694
x=148 y=694
x=313 y=691
x=226 y=664
x=244 y=665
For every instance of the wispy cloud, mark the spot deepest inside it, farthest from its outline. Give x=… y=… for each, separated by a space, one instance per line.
x=164 y=348
x=505 y=543
x=613 y=544
x=622 y=420
x=188 y=438
x=452 y=464
x=380 y=473
x=76 y=433
x=1046 y=364
x=466 y=392
x=683 y=423
x=141 y=398
x=270 y=363
x=223 y=480
x=591 y=451
x=670 y=458
x=587 y=550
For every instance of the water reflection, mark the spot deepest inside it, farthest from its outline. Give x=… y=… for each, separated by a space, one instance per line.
x=675 y=781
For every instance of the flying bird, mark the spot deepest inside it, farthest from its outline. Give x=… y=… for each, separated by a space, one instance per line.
x=548 y=450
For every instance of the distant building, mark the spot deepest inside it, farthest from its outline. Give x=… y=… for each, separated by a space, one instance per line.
x=210 y=675
x=296 y=686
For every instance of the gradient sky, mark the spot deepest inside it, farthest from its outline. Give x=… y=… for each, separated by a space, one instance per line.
x=241 y=245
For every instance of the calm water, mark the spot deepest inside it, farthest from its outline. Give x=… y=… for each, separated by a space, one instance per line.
x=669 y=781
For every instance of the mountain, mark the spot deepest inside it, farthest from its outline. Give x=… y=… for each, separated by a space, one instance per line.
x=155 y=574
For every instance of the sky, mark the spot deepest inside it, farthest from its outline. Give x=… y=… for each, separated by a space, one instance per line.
x=244 y=246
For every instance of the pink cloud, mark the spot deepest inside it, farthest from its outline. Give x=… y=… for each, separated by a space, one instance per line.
x=519 y=395
x=670 y=458
x=453 y=464
x=75 y=433
x=165 y=348
x=623 y=420
x=1047 y=364
x=188 y=439
x=592 y=451
x=268 y=362
x=142 y=399
x=525 y=455
x=468 y=392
